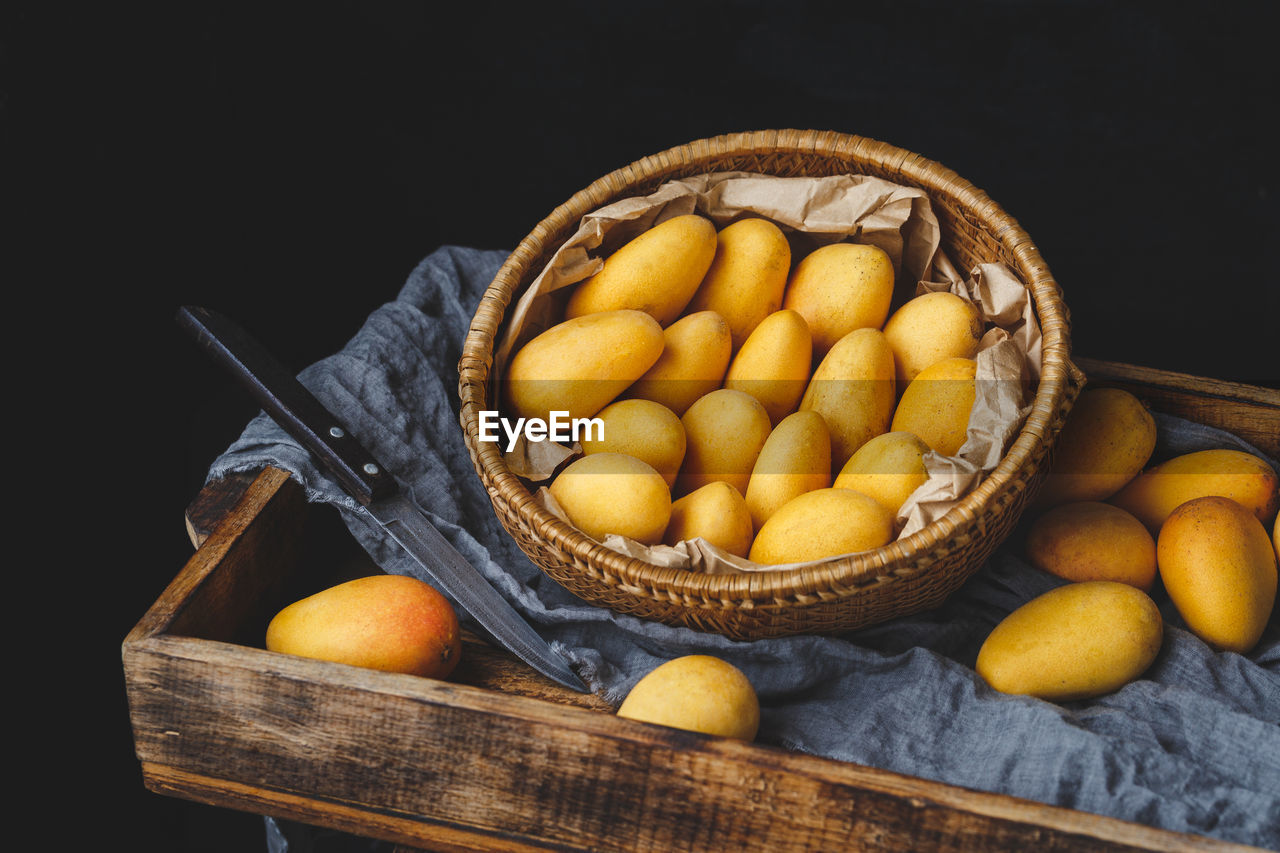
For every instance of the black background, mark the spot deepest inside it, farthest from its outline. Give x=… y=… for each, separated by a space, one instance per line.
x=290 y=164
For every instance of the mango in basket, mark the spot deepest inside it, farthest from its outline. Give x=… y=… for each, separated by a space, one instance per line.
x=888 y=468
x=747 y=276
x=695 y=355
x=841 y=287
x=929 y=328
x=391 y=623
x=698 y=693
x=819 y=524
x=579 y=366
x=656 y=272
x=936 y=405
x=1106 y=440
x=774 y=363
x=1219 y=570
x=1075 y=642
x=1234 y=474
x=717 y=512
x=724 y=433
x=604 y=493
x=853 y=390
x=644 y=429
x=796 y=458
x=1093 y=541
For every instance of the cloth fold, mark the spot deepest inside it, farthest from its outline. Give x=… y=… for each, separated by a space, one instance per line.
x=1193 y=746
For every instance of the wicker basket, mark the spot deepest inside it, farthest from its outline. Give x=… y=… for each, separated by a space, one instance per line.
x=916 y=572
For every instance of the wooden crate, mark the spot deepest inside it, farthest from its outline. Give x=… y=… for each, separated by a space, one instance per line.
x=501 y=758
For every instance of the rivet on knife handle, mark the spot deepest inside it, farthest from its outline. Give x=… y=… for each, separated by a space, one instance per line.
x=289 y=403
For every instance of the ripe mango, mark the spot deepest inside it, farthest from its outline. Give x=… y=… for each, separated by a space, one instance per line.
x=888 y=468
x=1106 y=440
x=796 y=458
x=697 y=693
x=715 y=512
x=747 y=276
x=1093 y=541
x=695 y=355
x=841 y=287
x=1234 y=474
x=819 y=524
x=724 y=432
x=644 y=429
x=607 y=493
x=853 y=390
x=929 y=328
x=773 y=363
x=936 y=405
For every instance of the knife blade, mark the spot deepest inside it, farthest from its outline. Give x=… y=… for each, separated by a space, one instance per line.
x=362 y=476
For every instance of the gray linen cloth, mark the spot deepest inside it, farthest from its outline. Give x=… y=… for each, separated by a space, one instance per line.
x=1193 y=746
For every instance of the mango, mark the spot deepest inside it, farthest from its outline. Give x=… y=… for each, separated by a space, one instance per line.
x=796 y=458
x=607 y=493
x=579 y=366
x=657 y=272
x=644 y=429
x=936 y=405
x=819 y=524
x=724 y=433
x=1234 y=474
x=853 y=390
x=391 y=623
x=716 y=512
x=838 y=288
x=1106 y=441
x=695 y=355
x=889 y=468
x=1078 y=641
x=1219 y=569
x=773 y=363
x=1090 y=540
x=929 y=328
x=697 y=693
x=747 y=276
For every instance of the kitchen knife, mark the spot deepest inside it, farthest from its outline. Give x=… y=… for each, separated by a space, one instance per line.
x=305 y=418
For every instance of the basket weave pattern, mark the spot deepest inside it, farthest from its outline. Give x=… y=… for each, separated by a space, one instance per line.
x=906 y=576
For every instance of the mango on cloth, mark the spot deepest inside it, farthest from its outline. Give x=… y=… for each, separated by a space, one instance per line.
x=1243 y=477
x=1106 y=441
x=747 y=277
x=853 y=390
x=1093 y=541
x=936 y=405
x=644 y=429
x=841 y=287
x=605 y=493
x=391 y=623
x=580 y=366
x=695 y=355
x=716 y=512
x=657 y=272
x=929 y=328
x=1078 y=641
x=889 y=468
x=697 y=693
x=819 y=524
x=724 y=433
x=796 y=458
x=1219 y=569
x=774 y=363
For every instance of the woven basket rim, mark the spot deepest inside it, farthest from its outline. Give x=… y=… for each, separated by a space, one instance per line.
x=834 y=577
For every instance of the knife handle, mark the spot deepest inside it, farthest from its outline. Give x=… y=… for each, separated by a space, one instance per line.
x=289 y=403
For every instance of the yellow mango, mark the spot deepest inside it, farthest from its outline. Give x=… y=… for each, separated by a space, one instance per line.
x=697 y=693
x=1093 y=541
x=819 y=524
x=716 y=512
x=853 y=390
x=1106 y=440
x=929 y=328
x=747 y=276
x=888 y=468
x=1075 y=642
x=607 y=493
x=644 y=429
x=695 y=355
x=773 y=364
x=657 y=272
x=1219 y=570
x=838 y=288
x=724 y=432
x=936 y=405
x=1234 y=474
x=579 y=366
x=391 y=623
x=796 y=458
